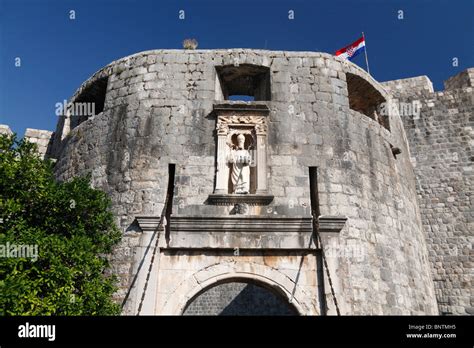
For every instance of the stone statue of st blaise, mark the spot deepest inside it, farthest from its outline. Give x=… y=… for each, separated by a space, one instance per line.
x=240 y=174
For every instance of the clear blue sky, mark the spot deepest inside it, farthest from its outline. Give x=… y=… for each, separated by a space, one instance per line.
x=58 y=54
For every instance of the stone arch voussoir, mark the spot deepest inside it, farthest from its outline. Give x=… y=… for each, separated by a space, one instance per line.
x=217 y=273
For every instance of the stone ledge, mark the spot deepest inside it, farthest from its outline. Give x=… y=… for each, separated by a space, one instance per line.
x=259 y=107
x=240 y=224
x=331 y=223
x=148 y=223
x=231 y=199
x=248 y=232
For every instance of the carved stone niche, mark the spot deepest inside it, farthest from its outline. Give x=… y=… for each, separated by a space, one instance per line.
x=241 y=173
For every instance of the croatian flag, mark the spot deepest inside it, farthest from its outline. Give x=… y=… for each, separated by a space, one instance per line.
x=352 y=50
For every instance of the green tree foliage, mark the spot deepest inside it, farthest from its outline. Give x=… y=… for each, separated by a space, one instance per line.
x=73 y=229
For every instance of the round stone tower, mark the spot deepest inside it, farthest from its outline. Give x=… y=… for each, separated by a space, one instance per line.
x=314 y=149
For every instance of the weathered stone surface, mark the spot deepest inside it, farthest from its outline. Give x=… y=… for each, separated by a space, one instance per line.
x=159 y=110
x=461 y=80
x=441 y=139
x=42 y=138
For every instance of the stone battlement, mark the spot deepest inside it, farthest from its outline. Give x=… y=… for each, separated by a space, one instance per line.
x=461 y=80
x=418 y=84
x=42 y=138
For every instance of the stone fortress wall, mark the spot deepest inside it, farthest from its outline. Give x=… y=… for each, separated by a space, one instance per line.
x=163 y=106
x=441 y=138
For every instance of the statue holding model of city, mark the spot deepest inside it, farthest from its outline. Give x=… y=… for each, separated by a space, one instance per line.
x=240 y=159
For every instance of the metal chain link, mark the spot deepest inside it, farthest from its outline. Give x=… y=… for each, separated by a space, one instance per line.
x=158 y=229
x=320 y=242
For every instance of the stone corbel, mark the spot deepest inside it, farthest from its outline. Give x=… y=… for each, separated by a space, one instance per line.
x=331 y=223
x=148 y=223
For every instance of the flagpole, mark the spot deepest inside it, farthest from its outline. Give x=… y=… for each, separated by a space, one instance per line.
x=365 y=51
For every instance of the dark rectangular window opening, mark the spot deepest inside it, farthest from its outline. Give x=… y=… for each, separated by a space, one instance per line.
x=245 y=82
x=169 y=198
x=366 y=99
x=89 y=102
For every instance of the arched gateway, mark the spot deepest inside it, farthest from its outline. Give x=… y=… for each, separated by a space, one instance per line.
x=239 y=297
x=229 y=288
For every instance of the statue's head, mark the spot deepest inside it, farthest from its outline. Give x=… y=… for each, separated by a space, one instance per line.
x=240 y=141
